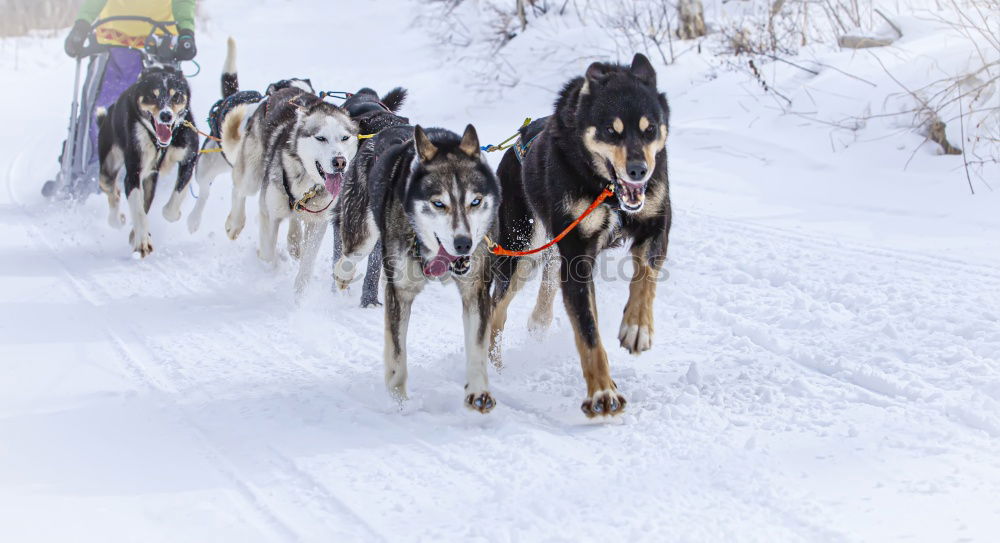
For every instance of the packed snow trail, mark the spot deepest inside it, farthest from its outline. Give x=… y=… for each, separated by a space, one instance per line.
x=789 y=378
x=800 y=388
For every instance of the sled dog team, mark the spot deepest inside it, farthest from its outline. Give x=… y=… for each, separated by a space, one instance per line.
x=423 y=203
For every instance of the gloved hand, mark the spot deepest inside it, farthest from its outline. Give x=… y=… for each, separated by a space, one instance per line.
x=185 y=45
x=77 y=37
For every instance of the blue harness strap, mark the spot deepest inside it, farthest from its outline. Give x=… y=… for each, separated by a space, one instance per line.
x=521 y=149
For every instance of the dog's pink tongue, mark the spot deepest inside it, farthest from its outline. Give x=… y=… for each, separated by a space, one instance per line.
x=438 y=266
x=334 y=182
x=163 y=132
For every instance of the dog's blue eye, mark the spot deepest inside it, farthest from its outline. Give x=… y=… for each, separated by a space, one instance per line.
x=321 y=139
x=438 y=203
x=345 y=138
x=475 y=202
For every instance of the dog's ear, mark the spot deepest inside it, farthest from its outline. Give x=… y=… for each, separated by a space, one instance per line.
x=643 y=70
x=470 y=142
x=425 y=149
x=596 y=73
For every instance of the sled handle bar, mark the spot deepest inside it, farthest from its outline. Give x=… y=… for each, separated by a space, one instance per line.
x=93 y=48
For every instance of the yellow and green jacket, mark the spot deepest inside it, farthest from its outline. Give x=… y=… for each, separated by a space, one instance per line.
x=133 y=33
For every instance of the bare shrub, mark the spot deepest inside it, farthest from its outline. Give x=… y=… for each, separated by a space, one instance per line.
x=777 y=27
x=645 y=26
x=974 y=93
x=965 y=97
x=959 y=107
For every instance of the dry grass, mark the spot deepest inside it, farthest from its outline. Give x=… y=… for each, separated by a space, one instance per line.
x=23 y=16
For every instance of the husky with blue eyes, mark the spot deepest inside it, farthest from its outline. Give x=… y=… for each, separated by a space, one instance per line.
x=431 y=198
x=294 y=149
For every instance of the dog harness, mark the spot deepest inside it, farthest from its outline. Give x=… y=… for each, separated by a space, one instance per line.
x=496 y=249
x=521 y=149
x=222 y=107
x=300 y=203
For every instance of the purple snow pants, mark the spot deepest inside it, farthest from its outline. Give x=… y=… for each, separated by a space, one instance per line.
x=122 y=69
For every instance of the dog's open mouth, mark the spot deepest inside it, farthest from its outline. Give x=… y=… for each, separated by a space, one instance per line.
x=631 y=195
x=164 y=132
x=440 y=263
x=333 y=181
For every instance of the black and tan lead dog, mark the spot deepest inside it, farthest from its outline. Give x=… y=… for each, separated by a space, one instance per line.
x=609 y=130
x=145 y=132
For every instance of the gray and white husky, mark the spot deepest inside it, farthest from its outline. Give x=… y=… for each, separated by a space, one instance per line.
x=212 y=162
x=294 y=148
x=431 y=198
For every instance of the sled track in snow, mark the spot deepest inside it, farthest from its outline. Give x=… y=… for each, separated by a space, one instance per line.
x=831 y=243
x=763 y=293
x=140 y=366
x=152 y=373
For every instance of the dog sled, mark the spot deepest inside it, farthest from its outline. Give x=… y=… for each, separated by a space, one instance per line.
x=110 y=70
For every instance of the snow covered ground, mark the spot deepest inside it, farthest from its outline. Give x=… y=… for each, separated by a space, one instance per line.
x=826 y=365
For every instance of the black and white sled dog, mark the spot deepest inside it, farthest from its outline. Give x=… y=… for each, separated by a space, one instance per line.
x=294 y=149
x=432 y=197
x=145 y=131
x=609 y=129
x=373 y=114
x=213 y=161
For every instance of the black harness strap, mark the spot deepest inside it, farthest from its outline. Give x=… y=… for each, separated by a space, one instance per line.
x=161 y=153
x=225 y=105
x=288 y=189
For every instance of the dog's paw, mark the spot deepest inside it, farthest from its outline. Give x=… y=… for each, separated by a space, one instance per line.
x=293 y=250
x=171 y=213
x=635 y=338
x=194 y=222
x=343 y=273
x=538 y=324
x=302 y=281
x=234 y=226
x=481 y=401
x=636 y=331
x=398 y=392
x=370 y=303
x=116 y=219
x=604 y=403
x=141 y=245
x=266 y=256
